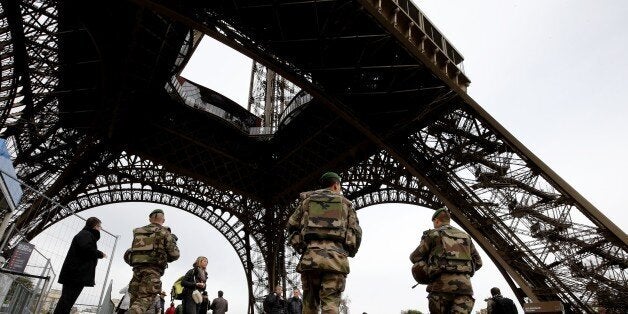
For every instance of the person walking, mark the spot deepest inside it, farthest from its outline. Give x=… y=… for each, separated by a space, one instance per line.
x=219 y=305
x=79 y=267
x=153 y=247
x=450 y=259
x=194 y=283
x=204 y=306
x=498 y=304
x=274 y=303
x=295 y=304
x=326 y=230
x=155 y=307
x=162 y=301
x=125 y=302
x=172 y=309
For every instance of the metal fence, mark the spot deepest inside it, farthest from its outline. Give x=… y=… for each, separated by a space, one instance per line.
x=25 y=291
x=55 y=242
x=36 y=290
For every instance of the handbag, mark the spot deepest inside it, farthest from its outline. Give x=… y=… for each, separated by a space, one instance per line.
x=197 y=297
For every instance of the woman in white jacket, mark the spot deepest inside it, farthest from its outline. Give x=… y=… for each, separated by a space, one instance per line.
x=125 y=302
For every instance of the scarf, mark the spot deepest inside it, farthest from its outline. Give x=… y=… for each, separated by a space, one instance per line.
x=201 y=274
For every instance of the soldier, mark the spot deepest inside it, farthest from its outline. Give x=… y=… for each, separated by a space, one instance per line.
x=152 y=249
x=451 y=260
x=325 y=229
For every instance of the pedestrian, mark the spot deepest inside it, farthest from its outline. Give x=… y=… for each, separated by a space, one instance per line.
x=274 y=303
x=326 y=230
x=450 y=259
x=219 y=305
x=125 y=302
x=79 y=267
x=153 y=247
x=498 y=304
x=162 y=301
x=155 y=307
x=172 y=309
x=295 y=304
x=204 y=306
x=193 y=284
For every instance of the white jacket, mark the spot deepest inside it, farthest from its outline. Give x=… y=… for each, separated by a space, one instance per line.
x=125 y=303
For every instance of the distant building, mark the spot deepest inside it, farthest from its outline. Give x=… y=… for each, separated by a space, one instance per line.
x=10 y=190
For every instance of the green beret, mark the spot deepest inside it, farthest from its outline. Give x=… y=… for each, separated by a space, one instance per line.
x=438 y=211
x=329 y=175
x=155 y=212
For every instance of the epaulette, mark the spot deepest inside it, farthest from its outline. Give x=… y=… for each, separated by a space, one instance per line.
x=348 y=202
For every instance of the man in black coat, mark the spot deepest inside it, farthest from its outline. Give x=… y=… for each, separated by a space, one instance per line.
x=274 y=303
x=79 y=267
x=295 y=304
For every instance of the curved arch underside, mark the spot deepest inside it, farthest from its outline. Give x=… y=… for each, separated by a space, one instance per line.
x=131 y=179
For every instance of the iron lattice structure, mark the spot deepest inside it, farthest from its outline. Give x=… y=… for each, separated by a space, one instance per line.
x=95 y=113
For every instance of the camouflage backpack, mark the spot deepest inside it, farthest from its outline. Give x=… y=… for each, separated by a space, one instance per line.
x=148 y=247
x=325 y=218
x=453 y=254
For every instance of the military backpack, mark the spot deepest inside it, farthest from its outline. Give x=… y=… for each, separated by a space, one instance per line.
x=148 y=247
x=326 y=218
x=453 y=255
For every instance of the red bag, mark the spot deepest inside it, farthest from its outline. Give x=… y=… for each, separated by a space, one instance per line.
x=171 y=309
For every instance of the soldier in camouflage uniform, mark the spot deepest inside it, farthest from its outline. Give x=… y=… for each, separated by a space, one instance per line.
x=451 y=260
x=152 y=249
x=325 y=230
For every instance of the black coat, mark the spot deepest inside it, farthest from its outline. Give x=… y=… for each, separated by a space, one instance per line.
x=189 y=285
x=79 y=267
x=274 y=304
x=295 y=305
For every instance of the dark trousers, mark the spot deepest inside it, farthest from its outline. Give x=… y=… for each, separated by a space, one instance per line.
x=69 y=294
x=189 y=306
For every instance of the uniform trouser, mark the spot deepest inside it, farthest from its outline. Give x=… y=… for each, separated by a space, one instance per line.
x=69 y=294
x=143 y=289
x=322 y=289
x=449 y=303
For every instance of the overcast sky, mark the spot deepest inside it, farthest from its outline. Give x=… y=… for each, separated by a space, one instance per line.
x=552 y=72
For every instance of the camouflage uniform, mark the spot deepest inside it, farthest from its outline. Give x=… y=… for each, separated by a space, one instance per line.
x=152 y=249
x=330 y=230
x=452 y=259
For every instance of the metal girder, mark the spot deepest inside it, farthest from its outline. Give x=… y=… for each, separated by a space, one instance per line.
x=524 y=213
x=431 y=144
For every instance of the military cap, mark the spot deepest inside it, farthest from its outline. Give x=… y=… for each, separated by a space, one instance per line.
x=156 y=211
x=329 y=175
x=438 y=211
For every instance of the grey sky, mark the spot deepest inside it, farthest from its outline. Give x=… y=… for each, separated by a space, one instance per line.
x=552 y=72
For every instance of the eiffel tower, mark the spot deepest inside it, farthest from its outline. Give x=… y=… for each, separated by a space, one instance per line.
x=95 y=113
